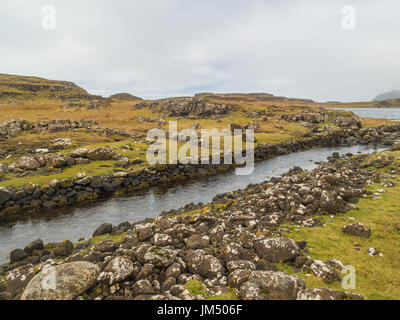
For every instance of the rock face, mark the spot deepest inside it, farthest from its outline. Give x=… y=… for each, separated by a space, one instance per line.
x=357 y=229
x=326 y=294
x=269 y=285
x=69 y=280
x=277 y=249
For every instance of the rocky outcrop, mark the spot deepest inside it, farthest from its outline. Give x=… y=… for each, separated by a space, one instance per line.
x=344 y=121
x=190 y=107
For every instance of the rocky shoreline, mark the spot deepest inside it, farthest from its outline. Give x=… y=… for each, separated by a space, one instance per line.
x=231 y=247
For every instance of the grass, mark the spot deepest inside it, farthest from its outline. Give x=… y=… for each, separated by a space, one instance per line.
x=196 y=287
x=377 y=277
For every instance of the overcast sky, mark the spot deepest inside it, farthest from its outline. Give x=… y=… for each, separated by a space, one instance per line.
x=161 y=48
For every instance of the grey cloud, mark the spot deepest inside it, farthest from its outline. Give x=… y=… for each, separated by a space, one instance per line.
x=158 y=48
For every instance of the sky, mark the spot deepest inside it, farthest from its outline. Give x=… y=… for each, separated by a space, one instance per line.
x=162 y=48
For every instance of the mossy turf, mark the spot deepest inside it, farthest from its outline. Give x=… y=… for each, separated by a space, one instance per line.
x=196 y=287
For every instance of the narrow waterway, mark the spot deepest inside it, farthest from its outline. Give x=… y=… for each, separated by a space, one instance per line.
x=81 y=222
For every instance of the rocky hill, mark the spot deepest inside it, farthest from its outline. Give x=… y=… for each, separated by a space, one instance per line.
x=394 y=94
x=124 y=97
x=15 y=88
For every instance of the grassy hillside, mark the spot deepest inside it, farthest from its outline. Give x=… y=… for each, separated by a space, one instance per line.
x=15 y=88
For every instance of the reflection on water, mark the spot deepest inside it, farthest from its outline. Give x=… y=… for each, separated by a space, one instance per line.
x=81 y=222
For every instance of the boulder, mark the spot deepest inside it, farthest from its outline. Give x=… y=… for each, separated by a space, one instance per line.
x=5 y=195
x=324 y=271
x=63 y=282
x=205 y=265
x=277 y=249
x=269 y=285
x=28 y=163
x=357 y=229
x=18 y=255
x=118 y=269
x=161 y=257
x=18 y=279
x=35 y=245
x=197 y=241
x=142 y=287
x=103 y=229
x=64 y=248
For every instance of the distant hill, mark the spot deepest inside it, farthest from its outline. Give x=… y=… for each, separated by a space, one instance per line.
x=125 y=97
x=394 y=94
x=15 y=88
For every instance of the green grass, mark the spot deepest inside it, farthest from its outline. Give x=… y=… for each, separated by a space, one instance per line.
x=93 y=168
x=196 y=287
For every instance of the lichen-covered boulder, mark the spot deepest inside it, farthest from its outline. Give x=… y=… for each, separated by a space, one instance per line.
x=19 y=278
x=277 y=249
x=327 y=294
x=144 y=231
x=238 y=277
x=161 y=257
x=162 y=240
x=234 y=251
x=118 y=269
x=63 y=282
x=28 y=163
x=107 y=245
x=142 y=287
x=269 y=285
x=198 y=241
x=324 y=271
x=240 y=264
x=203 y=264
